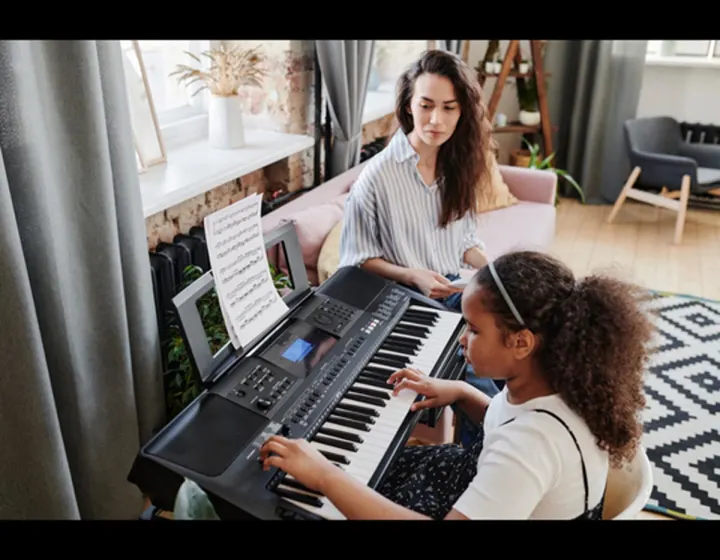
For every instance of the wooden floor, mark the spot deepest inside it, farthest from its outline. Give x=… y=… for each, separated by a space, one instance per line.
x=638 y=246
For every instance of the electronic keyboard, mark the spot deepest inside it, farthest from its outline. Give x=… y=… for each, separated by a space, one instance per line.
x=319 y=373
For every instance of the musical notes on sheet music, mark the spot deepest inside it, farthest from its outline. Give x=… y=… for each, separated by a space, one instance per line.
x=248 y=297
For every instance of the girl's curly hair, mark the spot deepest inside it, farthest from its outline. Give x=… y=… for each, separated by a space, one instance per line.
x=594 y=340
x=465 y=160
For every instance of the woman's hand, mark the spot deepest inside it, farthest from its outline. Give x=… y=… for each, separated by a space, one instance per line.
x=297 y=458
x=437 y=392
x=432 y=284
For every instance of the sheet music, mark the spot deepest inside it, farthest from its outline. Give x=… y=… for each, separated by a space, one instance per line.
x=249 y=300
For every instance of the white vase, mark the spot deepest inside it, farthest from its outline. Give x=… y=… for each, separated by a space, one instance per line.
x=490 y=67
x=225 y=122
x=530 y=118
x=523 y=67
x=498 y=67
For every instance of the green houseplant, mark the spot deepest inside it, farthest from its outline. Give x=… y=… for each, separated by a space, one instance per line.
x=182 y=382
x=528 y=101
x=535 y=162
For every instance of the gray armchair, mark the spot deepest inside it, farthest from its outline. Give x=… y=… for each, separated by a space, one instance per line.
x=656 y=145
x=662 y=160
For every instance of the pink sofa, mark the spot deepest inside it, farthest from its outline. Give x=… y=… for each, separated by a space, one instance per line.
x=530 y=224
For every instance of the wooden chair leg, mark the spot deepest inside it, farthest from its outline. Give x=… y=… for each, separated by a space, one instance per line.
x=623 y=193
x=682 y=211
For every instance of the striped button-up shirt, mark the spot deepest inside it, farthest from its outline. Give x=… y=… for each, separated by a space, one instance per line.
x=392 y=214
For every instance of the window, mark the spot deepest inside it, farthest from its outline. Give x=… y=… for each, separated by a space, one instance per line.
x=270 y=105
x=653 y=47
x=182 y=116
x=684 y=49
x=390 y=58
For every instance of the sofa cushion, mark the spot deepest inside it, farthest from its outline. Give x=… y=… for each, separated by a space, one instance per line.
x=312 y=225
x=496 y=194
x=522 y=226
x=329 y=254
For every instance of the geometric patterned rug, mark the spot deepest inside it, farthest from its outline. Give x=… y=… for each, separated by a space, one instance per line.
x=682 y=416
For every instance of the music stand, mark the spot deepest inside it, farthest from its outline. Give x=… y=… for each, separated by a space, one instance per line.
x=210 y=366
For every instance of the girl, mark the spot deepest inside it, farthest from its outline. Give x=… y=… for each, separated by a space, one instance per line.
x=572 y=355
x=410 y=215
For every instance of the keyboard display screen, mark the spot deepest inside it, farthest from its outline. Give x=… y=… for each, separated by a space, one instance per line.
x=298 y=350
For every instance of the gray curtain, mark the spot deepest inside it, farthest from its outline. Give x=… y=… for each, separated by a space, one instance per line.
x=345 y=66
x=80 y=374
x=453 y=46
x=593 y=90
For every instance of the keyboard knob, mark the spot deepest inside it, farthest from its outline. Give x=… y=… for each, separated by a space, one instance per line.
x=263 y=404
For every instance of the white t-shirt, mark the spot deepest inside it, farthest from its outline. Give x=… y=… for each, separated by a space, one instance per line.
x=531 y=468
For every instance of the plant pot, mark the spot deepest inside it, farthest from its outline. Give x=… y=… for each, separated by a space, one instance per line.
x=523 y=67
x=490 y=67
x=498 y=67
x=225 y=123
x=520 y=158
x=530 y=118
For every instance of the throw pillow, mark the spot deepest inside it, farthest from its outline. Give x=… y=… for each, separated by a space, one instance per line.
x=329 y=253
x=312 y=225
x=496 y=194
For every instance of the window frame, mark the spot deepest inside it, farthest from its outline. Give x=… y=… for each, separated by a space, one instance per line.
x=183 y=125
x=712 y=53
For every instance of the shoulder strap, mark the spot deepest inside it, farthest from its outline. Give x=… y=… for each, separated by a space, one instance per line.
x=572 y=435
x=582 y=460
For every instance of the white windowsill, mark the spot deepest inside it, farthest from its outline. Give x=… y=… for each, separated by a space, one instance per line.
x=195 y=168
x=683 y=61
x=379 y=103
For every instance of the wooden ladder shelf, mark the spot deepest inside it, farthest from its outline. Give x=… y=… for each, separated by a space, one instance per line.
x=513 y=55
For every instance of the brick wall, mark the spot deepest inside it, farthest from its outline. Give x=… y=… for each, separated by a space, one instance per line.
x=286 y=104
x=385 y=126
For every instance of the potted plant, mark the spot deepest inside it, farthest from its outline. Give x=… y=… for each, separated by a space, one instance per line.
x=229 y=70
x=524 y=66
x=491 y=55
x=528 y=101
x=535 y=161
x=497 y=65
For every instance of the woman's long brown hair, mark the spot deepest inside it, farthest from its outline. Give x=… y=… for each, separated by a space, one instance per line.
x=464 y=160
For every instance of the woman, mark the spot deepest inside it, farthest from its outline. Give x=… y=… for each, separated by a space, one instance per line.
x=410 y=215
x=573 y=355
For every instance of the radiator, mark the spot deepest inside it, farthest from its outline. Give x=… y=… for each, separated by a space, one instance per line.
x=167 y=263
x=372 y=148
x=700 y=133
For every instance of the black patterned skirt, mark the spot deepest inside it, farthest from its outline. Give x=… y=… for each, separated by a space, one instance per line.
x=429 y=479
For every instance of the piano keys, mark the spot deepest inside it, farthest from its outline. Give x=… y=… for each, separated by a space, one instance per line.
x=358 y=431
x=320 y=373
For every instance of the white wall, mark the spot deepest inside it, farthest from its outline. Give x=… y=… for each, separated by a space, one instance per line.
x=686 y=93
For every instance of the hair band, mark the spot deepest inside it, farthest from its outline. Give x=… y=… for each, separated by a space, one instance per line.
x=504 y=293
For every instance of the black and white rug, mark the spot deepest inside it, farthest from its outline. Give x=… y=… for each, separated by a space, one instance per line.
x=682 y=417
